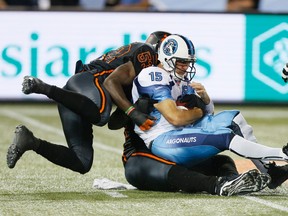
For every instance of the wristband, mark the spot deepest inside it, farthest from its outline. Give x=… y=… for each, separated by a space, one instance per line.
x=129 y=110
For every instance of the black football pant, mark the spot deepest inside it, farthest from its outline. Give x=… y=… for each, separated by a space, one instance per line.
x=148 y=173
x=76 y=122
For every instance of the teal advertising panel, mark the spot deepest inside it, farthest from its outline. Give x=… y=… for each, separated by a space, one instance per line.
x=239 y=56
x=266 y=54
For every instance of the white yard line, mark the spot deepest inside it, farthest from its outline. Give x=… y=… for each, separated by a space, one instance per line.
x=26 y=119
x=266 y=203
x=115 y=194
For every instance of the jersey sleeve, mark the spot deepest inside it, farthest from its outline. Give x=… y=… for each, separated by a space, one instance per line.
x=154 y=83
x=144 y=57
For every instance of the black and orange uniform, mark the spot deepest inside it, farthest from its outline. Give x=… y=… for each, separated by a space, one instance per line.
x=84 y=102
x=150 y=172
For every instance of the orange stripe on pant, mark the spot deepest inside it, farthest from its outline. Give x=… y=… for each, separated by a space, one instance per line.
x=103 y=98
x=153 y=157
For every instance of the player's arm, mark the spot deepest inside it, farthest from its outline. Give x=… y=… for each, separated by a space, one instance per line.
x=121 y=76
x=176 y=116
x=201 y=91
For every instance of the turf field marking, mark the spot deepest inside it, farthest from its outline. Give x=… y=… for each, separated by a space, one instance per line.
x=266 y=203
x=21 y=117
x=115 y=194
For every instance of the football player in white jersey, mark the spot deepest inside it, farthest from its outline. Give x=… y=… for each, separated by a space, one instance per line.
x=178 y=135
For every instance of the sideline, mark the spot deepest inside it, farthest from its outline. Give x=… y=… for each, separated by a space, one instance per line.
x=36 y=123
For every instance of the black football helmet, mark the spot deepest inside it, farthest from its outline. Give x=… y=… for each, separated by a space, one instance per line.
x=155 y=38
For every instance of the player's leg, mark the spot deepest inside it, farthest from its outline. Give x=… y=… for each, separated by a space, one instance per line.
x=146 y=173
x=252 y=150
x=72 y=99
x=149 y=172
x=218 y=165
x=78 y=132
x=194 y=144
x=279 y=174
x=77 y=157
x=96 y=100
x=191 y=146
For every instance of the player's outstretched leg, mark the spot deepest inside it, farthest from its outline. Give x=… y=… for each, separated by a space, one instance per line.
x=34 y=85
x=24 y=140
x=248 y=182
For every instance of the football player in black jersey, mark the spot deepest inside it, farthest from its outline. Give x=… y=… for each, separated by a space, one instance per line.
x=82 y=103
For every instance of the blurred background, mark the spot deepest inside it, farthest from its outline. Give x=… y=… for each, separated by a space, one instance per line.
x=241 y=45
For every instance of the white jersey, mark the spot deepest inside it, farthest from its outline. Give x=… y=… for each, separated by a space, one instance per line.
x=158 y=85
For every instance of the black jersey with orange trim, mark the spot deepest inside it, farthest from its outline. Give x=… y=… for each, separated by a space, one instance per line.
x=140 y=54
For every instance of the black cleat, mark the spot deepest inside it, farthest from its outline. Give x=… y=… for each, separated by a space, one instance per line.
x=285 y=149
x=278 y=174
x=33 y=85
x=248 y=182
x=24 y=140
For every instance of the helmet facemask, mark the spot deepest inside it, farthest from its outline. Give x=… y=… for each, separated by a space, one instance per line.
x=186 y=75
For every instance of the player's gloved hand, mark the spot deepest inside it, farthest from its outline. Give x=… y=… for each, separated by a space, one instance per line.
x=190 y=101
x=142 y=120
x=118 y=120
x=285 y=73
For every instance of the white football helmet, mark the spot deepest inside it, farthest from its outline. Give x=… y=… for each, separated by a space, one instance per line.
x=177 y=48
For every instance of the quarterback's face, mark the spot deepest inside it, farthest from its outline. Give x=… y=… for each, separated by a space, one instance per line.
x=181 y=67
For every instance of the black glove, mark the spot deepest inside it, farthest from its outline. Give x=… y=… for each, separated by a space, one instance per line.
x=118 y=120
x=285 y=73
x=142 y=120
x=190 y=101
x=145 y=105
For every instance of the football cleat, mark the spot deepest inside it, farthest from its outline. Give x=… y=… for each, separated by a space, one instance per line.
x=248 y=182
x=24 y=140
x=278 y=174
x=285 y=149
x=33 y=85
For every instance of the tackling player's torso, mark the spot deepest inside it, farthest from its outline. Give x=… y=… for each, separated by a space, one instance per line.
x=140 y=54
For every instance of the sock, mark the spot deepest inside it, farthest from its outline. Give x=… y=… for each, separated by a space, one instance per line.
x=191 y=181
x=252 y=150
